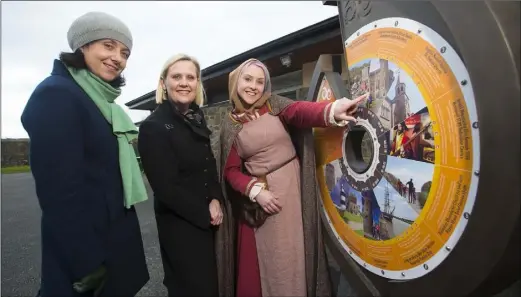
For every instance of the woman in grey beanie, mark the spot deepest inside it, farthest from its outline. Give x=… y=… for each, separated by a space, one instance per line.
x=85 y=170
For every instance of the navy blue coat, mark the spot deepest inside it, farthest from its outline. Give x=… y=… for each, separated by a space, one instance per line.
x=74 y=161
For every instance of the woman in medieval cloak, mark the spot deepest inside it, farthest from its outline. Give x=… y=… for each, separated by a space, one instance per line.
x=267 y=170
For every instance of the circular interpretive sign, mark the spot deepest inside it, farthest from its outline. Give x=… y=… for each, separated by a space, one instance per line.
x=399 y=186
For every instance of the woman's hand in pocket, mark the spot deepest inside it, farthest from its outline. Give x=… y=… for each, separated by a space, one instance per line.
x=268 y=202
x=216 y=213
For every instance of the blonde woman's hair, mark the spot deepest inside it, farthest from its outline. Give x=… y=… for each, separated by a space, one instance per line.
x=161 y=92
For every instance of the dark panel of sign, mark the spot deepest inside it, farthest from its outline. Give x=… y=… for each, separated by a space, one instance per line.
x=409 y=191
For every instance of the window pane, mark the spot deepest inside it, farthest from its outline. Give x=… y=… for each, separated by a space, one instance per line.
x=291 y=95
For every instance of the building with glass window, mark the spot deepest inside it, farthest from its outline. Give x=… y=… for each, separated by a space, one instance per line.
x=291 y=60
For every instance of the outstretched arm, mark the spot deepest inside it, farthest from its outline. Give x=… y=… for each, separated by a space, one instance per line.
x=304 y=114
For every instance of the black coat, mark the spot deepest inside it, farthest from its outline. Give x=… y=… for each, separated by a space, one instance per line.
x=75 y=164
x=181 y=169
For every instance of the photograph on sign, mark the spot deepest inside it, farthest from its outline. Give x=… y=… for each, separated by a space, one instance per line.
x=394 y=95
x=396 y=186
x=348 y=201
x=413 y=138
x=388 y=209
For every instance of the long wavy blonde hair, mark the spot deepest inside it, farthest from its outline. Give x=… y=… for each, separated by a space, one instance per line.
x=161 y=92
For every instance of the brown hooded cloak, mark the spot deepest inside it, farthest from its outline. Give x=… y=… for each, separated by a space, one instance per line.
x=316 y=266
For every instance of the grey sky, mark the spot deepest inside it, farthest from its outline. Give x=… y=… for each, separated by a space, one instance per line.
x=33 y=34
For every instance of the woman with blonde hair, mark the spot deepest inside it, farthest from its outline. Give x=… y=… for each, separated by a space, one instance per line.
x=270 y=185
x=174 y=144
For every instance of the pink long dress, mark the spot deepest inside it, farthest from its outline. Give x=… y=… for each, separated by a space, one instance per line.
x=266 y=150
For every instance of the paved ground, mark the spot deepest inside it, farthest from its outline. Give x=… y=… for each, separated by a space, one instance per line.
x=21 y=241
x=20 y=219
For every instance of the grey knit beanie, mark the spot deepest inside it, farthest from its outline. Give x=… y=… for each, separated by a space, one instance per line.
x=95 y=26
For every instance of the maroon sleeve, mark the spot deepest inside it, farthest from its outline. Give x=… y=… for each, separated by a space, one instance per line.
x=304 y=114
x=239 y=181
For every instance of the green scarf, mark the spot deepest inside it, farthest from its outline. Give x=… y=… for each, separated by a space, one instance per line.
x=126 y=132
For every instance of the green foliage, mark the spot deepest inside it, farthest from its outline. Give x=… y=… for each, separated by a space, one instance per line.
x=15 y=169
x=357 y=72
x=349 y=217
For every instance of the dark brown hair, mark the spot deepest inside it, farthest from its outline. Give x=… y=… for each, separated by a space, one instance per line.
x=77 y=60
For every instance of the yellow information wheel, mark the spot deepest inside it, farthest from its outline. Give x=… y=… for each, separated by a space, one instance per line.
x=400 y=185
x=403 y=195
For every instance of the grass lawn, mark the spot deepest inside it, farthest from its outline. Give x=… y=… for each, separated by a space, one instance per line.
x=352 y=218
x=15 y=169
x=360 y=232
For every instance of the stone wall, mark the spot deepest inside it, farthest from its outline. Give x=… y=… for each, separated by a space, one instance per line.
x=214 y=114
x=15 y=152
